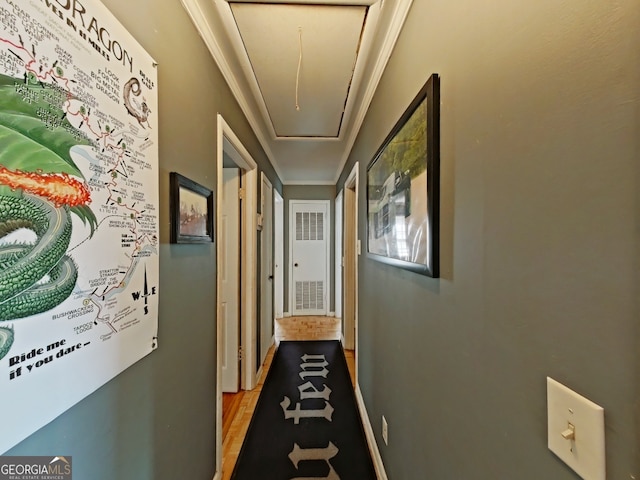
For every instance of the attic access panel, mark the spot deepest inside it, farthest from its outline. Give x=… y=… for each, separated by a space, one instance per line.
x=302 y=55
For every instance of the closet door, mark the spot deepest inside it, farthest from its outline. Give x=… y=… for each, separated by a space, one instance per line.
x=309 y=257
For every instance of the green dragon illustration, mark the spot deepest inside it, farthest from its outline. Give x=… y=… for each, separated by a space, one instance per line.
x=39 y=189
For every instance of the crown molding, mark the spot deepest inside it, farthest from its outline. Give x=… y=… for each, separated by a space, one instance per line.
x=308 y=182
x=232 y=69
x=390 y=37
x=201 y=23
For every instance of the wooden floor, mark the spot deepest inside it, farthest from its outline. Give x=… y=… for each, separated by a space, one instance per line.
x=238 y=408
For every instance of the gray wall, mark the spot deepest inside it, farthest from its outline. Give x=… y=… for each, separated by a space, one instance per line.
x=157 y=419
x=540 y=240
x=309 y=192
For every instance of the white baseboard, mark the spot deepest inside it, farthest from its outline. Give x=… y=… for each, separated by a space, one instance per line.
x=286 y=314
x=331 y=314
x=371 y=439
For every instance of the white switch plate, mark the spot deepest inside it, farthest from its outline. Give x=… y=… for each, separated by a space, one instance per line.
x=586 y=453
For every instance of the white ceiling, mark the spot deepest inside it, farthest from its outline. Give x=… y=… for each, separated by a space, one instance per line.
x=303 y=72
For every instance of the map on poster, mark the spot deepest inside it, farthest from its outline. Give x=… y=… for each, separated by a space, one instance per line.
x=79 y=260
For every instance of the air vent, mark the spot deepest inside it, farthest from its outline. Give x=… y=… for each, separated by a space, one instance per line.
x=310 y=295
x=309 y=226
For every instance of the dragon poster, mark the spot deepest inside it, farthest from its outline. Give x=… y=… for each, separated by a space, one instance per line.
x=78 y=207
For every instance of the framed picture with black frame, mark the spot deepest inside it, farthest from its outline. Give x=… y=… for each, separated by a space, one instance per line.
x=403 y=188
x=191 y=207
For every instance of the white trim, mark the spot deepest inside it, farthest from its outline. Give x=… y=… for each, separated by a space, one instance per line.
x=331 y=314
x=237 y=44
x=290 y=288
x=278 y=226
x=201 y=22
x=249 y=97
x=264 y=181
x=249 y=253
x=338 y=256
x=352 y=183
x=371 y=438
x=390 y=37
x=310 y=2
x=327 y=225
x=217 y=476
x=307 y=182
x=286 y=314
x=308 y=139
x=248 y=265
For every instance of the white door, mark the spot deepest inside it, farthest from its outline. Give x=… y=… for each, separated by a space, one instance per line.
x=266 y=270
x=338 y=255
x=309 y=257
x=229 y=264
x=278 y=266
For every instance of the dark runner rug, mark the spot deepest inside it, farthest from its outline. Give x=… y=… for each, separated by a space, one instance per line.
x=306 y=423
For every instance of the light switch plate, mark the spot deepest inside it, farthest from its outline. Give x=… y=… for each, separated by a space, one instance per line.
x=571 y=413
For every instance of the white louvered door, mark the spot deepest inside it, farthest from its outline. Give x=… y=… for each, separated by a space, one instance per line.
x=309 y=231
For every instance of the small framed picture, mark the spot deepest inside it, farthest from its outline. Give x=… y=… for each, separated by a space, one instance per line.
x=191 y=207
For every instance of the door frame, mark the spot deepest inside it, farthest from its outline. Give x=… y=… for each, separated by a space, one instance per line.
x=351 y=253
x=230 y=237
x=292 y=231
x=227 y=141
x=278 y=240
x=339 y=253
x=266 y=227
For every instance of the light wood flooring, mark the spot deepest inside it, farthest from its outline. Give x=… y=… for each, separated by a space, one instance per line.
x=238 y=408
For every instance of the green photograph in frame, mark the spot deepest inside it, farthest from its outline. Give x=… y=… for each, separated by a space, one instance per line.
x=403 y=188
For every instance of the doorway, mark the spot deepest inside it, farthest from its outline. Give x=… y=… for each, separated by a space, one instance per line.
x=233 y=155
x=230 y=240
x=339 y=255
x=278 y=238
x=351 y=252
x=266 y=270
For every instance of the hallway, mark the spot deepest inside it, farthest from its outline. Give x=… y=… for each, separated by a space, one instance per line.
x=536 y=197
x=290 y=328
